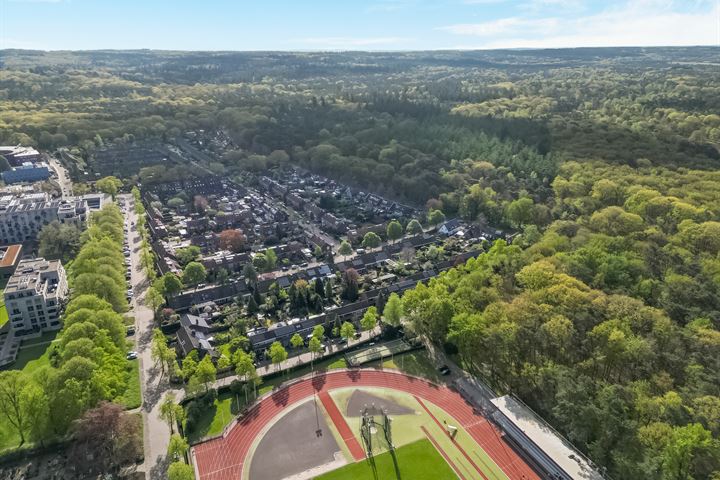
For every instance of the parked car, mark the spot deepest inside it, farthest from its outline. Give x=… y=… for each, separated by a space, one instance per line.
x=444 y=370
x=132 y=355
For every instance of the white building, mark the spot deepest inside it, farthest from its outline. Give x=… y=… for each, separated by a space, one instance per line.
x=35 y=294
x=22 y=217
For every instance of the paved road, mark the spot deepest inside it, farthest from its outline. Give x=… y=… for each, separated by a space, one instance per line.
x=153 y=386
x=62 y=175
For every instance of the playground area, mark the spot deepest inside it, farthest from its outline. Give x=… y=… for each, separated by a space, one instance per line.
x=360 y=424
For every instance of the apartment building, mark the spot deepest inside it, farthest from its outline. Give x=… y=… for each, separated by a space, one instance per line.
x=35 y=294
x=22 y=217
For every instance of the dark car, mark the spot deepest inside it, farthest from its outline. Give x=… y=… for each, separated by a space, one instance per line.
x=444 y=370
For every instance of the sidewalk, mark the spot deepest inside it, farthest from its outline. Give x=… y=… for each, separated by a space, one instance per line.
x=299 y=360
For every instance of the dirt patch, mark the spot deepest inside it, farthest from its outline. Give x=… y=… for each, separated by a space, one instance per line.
x=375 y=404
x=299 y=441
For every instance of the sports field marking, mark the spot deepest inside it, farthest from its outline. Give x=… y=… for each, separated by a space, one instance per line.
x=442 y=452
x=462 y=450
x=343 y=428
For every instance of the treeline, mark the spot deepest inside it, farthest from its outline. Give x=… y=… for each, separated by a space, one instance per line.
x=87 y=360
x=605 y=321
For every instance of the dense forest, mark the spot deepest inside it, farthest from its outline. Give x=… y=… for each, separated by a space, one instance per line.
x=604 y=312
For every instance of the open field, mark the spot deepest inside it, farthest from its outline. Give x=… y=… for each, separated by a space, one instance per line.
x=418 y=461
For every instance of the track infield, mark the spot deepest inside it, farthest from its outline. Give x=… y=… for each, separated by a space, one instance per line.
x=417 y=461
x=477 y=451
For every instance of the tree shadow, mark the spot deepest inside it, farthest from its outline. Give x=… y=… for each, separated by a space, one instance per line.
x=398 y=475
x=250 y=414
x=153 y=393
x=370 y=459
x=281 y=396
x=319 y=381
x=159 y=470
x=354 y=375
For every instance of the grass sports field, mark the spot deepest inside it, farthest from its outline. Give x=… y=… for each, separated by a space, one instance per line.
x=418 y=461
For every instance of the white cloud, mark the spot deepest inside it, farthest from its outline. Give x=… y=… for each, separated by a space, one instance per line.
x=346 y=43
x=636 y=23
x=503 y=26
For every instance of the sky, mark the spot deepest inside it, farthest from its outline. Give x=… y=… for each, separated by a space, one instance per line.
x=354 y=24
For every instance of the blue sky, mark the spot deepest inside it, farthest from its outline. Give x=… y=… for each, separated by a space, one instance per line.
x=355 y=24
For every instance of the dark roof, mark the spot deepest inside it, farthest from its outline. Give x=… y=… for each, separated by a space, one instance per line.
x=451 y=224
x=282 y=331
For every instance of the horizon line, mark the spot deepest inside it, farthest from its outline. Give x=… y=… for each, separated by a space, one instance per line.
x=350 y=50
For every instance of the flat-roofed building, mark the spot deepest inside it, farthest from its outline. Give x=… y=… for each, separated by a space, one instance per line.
x=34 y=296
x=17 y=155
x=26 y=173
x=9 y=258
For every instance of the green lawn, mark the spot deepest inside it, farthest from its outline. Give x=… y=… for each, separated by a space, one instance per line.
x=416 y=461
x=214 y=419
x=31 y=358
x=3 y=314
x=132 y=396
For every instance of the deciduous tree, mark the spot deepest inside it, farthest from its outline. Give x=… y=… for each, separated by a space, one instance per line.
x=232 y=240
x=394 y=230
x=371 y=240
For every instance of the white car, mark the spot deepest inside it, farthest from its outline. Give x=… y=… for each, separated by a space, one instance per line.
x=131 y=355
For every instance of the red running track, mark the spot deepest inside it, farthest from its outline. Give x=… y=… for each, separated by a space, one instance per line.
x=343 y=429
x=223 y=458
